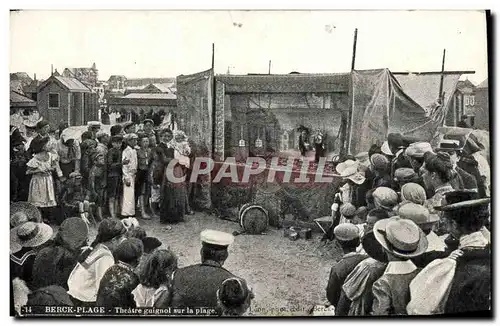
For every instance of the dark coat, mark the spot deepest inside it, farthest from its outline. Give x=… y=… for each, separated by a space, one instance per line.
x=464 y=180
x=338 y=274
x=115 y=289
x=471 y=286
x=469 y=165
x=52 y=266
x=197 y=285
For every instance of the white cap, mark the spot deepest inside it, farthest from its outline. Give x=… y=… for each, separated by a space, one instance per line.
x=216 y=238
x=94 y=124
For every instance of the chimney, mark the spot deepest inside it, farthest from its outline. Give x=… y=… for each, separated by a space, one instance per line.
x=34 y=77
x=51 y=69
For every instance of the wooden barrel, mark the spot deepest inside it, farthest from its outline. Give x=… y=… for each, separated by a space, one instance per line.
x=253 y=218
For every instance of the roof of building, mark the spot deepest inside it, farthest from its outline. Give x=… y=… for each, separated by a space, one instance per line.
x=33 y=87
x=165 y=96
x=71 y=84
x=114 y=77
x=144 y=99
x=484 y=84
x=465 y=84
x=20 y=76
x=134 y=82
x=16 y=85
x=19 y=100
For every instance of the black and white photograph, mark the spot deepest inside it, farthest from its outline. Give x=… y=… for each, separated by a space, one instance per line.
x=250 y=163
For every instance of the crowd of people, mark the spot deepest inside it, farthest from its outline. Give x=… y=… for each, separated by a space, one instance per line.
x=102 y=175
x=413 y=222
x=122 y=267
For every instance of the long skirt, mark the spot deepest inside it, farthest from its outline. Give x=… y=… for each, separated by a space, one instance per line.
x=42 y=193
x=128 y=202
x=173 y=198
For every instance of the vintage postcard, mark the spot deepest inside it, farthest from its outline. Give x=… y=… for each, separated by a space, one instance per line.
x=249 y=163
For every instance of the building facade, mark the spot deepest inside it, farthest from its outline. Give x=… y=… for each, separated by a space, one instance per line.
x=66 y=99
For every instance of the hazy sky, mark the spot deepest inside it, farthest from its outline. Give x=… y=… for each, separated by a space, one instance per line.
x=170 y=43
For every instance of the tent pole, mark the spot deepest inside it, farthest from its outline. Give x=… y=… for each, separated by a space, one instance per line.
x=350 y=93
x=214 y=104
x=441 y=99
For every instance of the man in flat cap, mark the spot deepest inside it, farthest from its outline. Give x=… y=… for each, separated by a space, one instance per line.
x=196 y=285
x=464 y=180
x=347 y=235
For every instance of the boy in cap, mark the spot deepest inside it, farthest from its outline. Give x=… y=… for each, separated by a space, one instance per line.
x=96 y=192
x=197 y=285
x=103 y=142
x=402 y=240
x=347 y=236
x=114 y=171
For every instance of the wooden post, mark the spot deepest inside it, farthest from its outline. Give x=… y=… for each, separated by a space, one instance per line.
x=440 y=96
x=354 y=49
x=214 y=105
x=347 y=146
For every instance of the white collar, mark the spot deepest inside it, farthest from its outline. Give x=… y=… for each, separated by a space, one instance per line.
x=400 y=267
x=435 y=243
x=475 y=239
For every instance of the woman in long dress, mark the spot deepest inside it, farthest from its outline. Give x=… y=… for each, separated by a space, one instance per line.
x=173 y=194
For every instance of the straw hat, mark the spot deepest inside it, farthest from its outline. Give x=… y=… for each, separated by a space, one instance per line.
x=402 y=238
x=349 y=170
x=30 y=234
x=31 y=211
x=418 y=149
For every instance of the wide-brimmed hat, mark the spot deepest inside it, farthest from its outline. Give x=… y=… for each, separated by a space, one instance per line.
x=349 y=170
x=460 y=199
x=30 y=234
x=32 y=212
x=418 y=214
x=418 y=149
x=402 y=238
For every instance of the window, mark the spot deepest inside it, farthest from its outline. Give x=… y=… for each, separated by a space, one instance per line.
x=466 y=100
x=472 y=100
x=53 y=100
